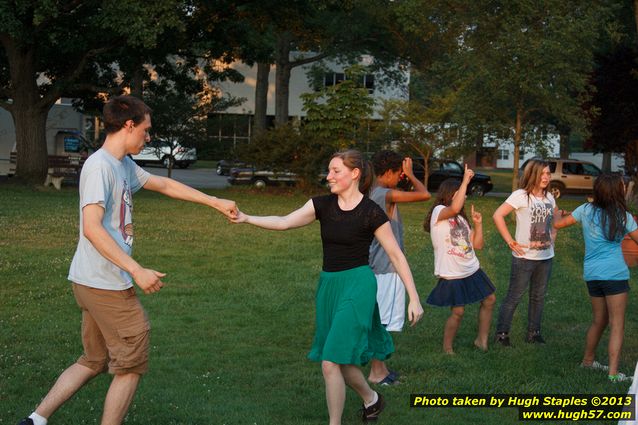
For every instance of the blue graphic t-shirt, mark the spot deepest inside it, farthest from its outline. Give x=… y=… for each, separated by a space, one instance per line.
x=603 y=258
x=110 y=183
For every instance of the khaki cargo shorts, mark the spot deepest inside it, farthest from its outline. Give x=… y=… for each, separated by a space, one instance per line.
x=115 y=330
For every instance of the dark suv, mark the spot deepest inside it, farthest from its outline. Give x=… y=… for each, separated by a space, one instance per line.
x=443 y=169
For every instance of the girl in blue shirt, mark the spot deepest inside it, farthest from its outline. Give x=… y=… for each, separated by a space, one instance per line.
x=605 y=222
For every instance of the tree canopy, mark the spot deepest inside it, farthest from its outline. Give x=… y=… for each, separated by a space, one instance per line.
x=519 y=62
x=51 y=49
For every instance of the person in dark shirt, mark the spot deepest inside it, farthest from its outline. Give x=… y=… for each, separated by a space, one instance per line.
x=348 y=327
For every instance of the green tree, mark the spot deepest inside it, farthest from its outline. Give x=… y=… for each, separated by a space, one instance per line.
x=425 y=131
x=301 y=32
x=48 y=46
x=614 y=114
x=181 y=108
x=514 y=64
x=340 y=114
x=287 y=148
x=614 y=128
x=337 y=117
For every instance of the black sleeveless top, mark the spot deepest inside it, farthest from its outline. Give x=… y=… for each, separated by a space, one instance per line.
x=346 y=235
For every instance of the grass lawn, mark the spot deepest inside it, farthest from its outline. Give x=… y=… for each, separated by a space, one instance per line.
x=232 y=326
x=501 y=179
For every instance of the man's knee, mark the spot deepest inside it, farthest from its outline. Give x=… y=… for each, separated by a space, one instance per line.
x=95 y=367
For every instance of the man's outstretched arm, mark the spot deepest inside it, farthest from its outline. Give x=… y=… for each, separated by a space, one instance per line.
x=177 y=190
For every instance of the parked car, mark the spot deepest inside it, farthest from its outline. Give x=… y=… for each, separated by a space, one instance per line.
x=224 y=166
x=261 y=178
x=569 y=176
x=165 y=153
x=265 y=177
x=443 y=169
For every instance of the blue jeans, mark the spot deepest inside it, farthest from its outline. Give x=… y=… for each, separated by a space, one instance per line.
x=532 y=273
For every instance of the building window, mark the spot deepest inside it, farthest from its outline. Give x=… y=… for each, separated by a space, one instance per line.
x=332 y=79
x=226 y=132
x=503 y=154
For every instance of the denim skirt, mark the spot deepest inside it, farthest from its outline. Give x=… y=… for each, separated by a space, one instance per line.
x=459 y=292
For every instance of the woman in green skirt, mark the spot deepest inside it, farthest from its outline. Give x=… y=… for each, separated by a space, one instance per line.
x=348 y=328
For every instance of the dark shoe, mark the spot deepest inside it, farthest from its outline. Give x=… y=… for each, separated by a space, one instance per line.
x=534 y=338
x=369 y=414
x=391 y=379
x=26 y=421
x=503 y=339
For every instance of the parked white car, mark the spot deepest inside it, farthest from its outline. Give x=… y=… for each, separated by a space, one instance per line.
x=163 y=152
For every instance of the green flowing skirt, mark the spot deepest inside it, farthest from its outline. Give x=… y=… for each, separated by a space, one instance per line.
x=348 y=325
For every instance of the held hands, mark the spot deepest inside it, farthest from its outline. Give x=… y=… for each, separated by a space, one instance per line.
x=467 y=175
x=561 y=213
x=477 y=218
x=227 y=207
x=415 y=312
x=148 y=280
x=239 y=218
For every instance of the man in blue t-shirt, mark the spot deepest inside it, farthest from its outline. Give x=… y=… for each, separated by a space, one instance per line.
x=115 y=329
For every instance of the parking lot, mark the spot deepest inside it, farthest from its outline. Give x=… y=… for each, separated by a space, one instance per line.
x=207 y=178
x=200 y=178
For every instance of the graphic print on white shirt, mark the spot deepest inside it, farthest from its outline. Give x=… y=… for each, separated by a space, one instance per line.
x=540 y=231
x=126 y=214
x=459 y=238
x=534 y=218
x=454 y=256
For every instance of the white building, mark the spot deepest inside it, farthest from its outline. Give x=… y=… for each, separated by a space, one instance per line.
x=504 y=151
x=299 y=84
x=235 y=124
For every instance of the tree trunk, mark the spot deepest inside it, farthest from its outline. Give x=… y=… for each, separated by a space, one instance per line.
x=425 y=154
x=137 y=82
x=282 y=80
x=29 y=112
x=426 y=169
x=564 y=145
x=479 y=154
x=261 y=97
x=31 y=143
x=631 y=158
x=606 y=162
x=631 y=165
x=518 y=128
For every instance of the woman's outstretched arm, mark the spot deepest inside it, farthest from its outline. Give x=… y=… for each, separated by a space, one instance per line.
x=298 y=218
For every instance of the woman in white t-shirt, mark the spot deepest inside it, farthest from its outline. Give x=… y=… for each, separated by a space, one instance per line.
x=532 y=249
x=461 y=280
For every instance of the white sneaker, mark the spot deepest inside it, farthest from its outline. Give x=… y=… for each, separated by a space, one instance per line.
x=620 y=377
x=595 y=366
